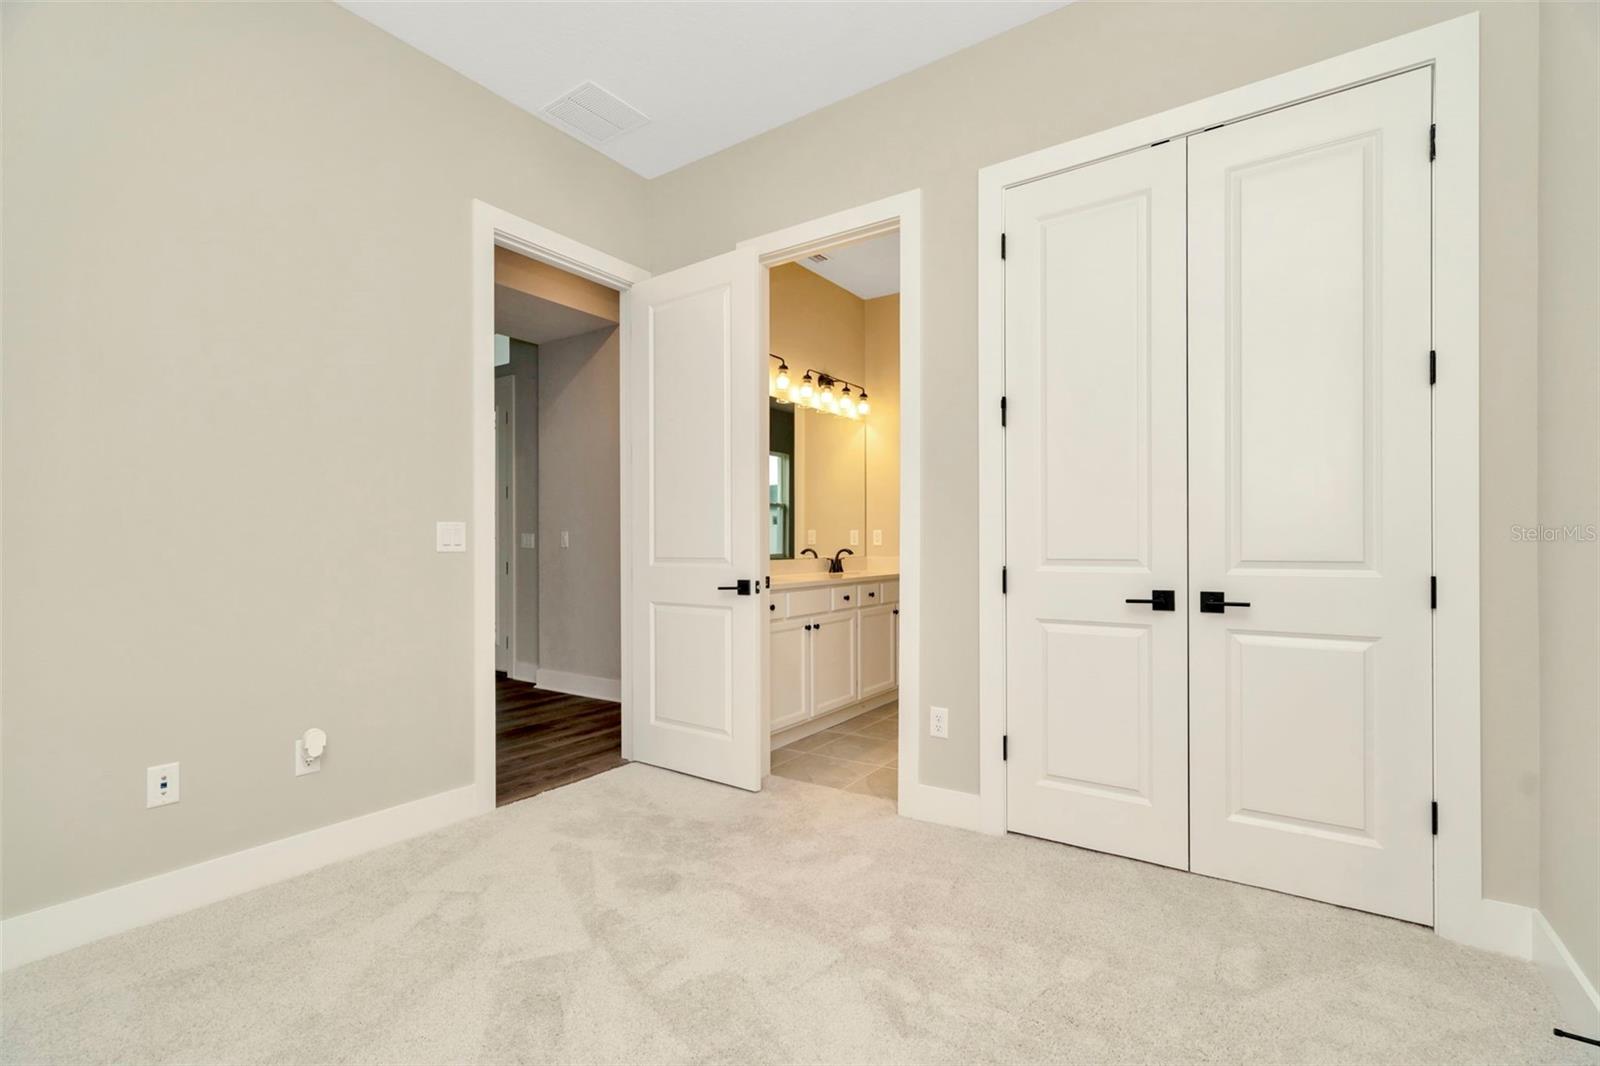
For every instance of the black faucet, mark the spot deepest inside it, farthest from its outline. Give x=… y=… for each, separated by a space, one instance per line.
x=809 y=551
x=836 y=565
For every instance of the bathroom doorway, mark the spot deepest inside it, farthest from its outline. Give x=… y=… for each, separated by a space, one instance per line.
x=833 y=515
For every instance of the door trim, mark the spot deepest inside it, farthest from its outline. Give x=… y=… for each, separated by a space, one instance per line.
x=1450 y=50
x=493 y=227
x=903 y=212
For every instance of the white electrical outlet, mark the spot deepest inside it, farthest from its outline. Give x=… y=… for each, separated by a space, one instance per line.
x=855 y=538
x=301 y=765
x=877 y=538
x=811 y=536
x=566 y=539
x=450 y=536
x=161 y=785
x=528 y=540
x=939 y=722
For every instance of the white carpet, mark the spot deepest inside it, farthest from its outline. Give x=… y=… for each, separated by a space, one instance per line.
x=640 y=916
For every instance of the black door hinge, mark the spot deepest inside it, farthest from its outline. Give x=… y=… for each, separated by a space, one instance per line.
x=1433 y=142
x=1005 y=747
x=1435 y=817
x=1002 y=246
x=1433 y=592
x=1002 y=412
x=1433 y=368
x=1002 y=581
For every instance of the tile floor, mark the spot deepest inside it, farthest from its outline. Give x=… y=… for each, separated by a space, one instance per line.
x=860 y=755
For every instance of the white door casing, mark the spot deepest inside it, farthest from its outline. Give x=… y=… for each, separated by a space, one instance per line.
x=1096 y=686
x=1310 y=498
x=504 y=520
x=697 y=474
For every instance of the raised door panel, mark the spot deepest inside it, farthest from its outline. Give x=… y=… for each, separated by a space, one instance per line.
x=876 y=643
x=790 y=677
x=1310 y=471
x=1096 y=685
x=833 y=662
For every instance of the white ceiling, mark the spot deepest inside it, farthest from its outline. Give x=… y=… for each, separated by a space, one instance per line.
x=707 y=75
x=869 y=269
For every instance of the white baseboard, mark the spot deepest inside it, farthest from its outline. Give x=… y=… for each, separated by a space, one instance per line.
x=944 y=806
x=1575 y=993
x=1490 y=924
x=527 y=672
x=51 y=930
x=596 y=688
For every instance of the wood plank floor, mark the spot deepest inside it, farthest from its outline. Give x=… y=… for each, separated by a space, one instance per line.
x=544 y=739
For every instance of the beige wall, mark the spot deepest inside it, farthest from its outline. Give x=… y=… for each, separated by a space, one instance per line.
x=525 y=481
x=1084 y=68
x=580 y=492
x=882 y=322
x=236 y=399
x=1569 y=477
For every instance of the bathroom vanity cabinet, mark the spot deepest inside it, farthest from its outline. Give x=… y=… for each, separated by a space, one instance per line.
x=835 y=643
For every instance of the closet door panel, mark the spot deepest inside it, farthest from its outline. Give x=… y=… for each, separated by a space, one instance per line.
x=1095 y=506
x=1310 y=459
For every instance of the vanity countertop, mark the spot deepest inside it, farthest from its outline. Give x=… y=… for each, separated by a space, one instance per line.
x=785 y=582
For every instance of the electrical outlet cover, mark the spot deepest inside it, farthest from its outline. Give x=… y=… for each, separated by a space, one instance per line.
x=939 y=722
x=301 y=767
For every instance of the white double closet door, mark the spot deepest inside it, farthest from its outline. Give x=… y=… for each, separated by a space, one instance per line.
x=1218 y=382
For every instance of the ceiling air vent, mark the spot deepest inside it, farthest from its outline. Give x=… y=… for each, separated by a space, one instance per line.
x=818 y=258
x=593 y=114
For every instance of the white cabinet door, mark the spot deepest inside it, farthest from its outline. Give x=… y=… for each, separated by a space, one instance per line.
x=875 y=641
x=504 y=521
x=833 y=662
x=790 y=673
x=694 y=382
x=1096 y=685
x=1310 y=457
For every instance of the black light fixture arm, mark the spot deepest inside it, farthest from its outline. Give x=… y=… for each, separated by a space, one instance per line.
x=821 y=377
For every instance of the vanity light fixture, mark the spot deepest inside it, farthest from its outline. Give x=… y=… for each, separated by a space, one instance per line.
x=820 y=391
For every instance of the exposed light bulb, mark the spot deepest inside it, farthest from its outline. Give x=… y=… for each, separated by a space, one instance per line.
x=806 y=389
x=783 y=377
x=862 y=407
x=794 y=394
x=829 y=400
x=847 y=403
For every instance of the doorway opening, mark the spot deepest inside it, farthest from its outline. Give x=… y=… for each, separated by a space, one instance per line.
x=558 y=651
x=833 y=515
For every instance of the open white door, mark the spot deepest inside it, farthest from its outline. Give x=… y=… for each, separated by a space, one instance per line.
x=696 y=390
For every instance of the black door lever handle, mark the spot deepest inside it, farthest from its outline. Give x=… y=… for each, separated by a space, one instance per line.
x=1160 y=600
x=1215 y=603
x=742 y=587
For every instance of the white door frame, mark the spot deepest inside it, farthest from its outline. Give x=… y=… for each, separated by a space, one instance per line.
x=1450 y=49
x=510 y=658
x=491 y=227
x=903 y=212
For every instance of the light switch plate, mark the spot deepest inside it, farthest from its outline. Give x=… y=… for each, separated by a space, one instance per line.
x=450 y=537
x=855 y=538
x=877 y=538
x=566 y=539
x=811 y=536
x=161 y=785
x=528 y=541
x=939 y=722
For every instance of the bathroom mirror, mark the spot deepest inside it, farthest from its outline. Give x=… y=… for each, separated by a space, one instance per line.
x=817 y=484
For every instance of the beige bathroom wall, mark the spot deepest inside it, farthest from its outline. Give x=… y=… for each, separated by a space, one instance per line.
x=815 y=323
x=882 y=322
x=1087 y=67
x=1569 y=477
x=235 y=401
